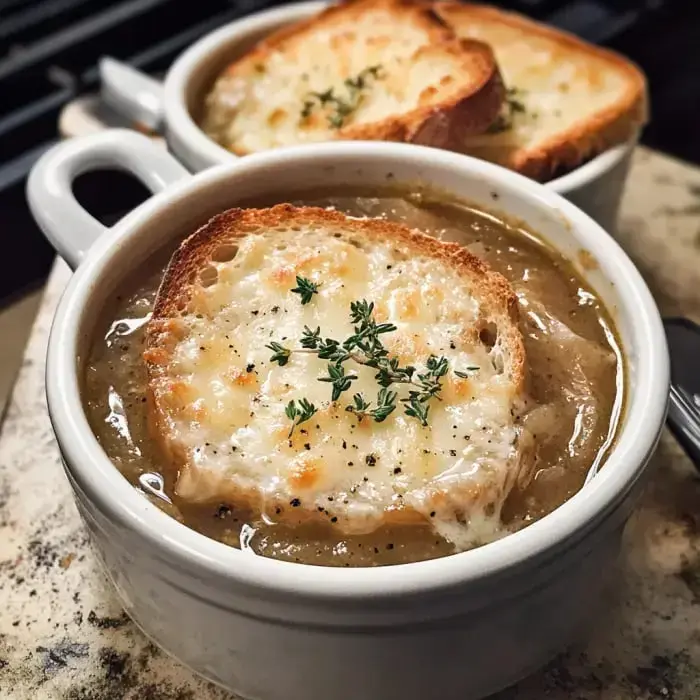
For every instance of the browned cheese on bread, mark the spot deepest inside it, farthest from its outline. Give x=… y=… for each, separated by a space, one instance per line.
x=219 y=401
x=566 y=99
x=366 y=70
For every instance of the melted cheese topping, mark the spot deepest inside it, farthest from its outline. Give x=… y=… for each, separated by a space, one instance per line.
x=557 y=85
x=221 y=401
x=259 y=103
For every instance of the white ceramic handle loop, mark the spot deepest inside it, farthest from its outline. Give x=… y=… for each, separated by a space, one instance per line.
x=131 y=93
x=70 y=229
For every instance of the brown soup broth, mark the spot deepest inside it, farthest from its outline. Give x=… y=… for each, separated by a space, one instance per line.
x=575 y=374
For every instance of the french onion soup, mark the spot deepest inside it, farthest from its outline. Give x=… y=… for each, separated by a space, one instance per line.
x=356 y=379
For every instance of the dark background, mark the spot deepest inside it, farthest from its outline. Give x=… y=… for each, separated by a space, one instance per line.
x=49 y=50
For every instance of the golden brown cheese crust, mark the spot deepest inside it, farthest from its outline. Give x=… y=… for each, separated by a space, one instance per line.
x=217 y=241
x=563 y=150
x=444 y=117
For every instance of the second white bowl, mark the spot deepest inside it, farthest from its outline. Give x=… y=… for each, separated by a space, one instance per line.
x=596 y=187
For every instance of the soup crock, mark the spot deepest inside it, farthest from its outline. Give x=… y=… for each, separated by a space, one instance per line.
x=457 y=627
x=596 y=187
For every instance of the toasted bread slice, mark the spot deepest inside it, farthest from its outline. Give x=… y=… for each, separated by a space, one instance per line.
x=567 y=100
x=219 y=399
x=369 y=69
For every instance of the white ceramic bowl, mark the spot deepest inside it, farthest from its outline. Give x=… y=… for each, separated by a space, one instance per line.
x=453 y=628
x=596 y=187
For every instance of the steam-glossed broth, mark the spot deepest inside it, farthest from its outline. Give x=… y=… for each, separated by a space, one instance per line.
x=575 y=377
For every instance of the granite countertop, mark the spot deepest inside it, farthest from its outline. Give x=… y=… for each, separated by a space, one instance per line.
x=62 y=630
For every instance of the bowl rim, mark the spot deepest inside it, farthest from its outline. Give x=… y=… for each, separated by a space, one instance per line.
x=103 y=484
x=186 y=133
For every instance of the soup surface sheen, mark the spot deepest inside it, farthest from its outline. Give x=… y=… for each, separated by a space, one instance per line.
x=575 y=378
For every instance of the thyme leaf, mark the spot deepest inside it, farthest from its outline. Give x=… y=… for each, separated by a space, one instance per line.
x=417 y=408
x=280 y=353
x=305 y=289
x=470 y=371
x=310 y=339
x=339 y=106
x=341 y=382
x=513 y=105
x=360 y=406
x=386 y=403
x=299 y=412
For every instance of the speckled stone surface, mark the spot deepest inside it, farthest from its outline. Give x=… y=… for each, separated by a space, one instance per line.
x=62 y=631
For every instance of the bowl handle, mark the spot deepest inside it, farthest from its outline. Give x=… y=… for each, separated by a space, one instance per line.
x=69 y=228
x=131 y=93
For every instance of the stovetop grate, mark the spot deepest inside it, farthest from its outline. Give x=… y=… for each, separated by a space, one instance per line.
x=49 y=52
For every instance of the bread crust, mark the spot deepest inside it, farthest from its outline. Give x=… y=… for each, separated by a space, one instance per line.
x=226 y=229
x=569 y=148
x=443 y=123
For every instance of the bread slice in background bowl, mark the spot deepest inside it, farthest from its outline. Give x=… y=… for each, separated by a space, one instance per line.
x=388 y=70
x=567 y=100
x=592 y=179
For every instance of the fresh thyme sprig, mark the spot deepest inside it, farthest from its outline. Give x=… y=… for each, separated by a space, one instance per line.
x=365 y=347
x=299 y=413
x=361 y=81
x=429 y=383
x=341 y=382
x=417 y=409
x=386 y=403
x=360 y=406
x=341 y=106
x=325 y=348
x=511 y=106
x=305 y=289
x=280 y=353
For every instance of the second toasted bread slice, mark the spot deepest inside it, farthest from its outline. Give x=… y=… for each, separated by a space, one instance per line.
x=230 y=300
x=369 y=69
x=566 y=101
